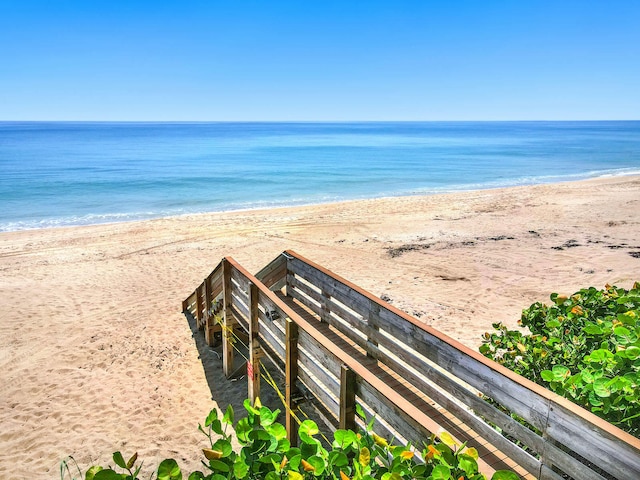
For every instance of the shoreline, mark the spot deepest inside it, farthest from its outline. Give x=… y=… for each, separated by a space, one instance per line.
x=585 y=177
x=96 y=356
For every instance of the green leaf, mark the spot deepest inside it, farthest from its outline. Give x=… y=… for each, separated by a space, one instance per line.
x=90 y=474
x=109 y=474
x=216 y=465
x=318 y=464
x=468 y=464
x=274 y=457
x=360 y=412
x=223 y=446
x=307 y=429
x=632 y=352
x=392 y=476
x=338 y=459
x=249 y=408
x=628 y=318
x=344 y=438
x=196 y=476
x=601 y=387
x=593 y=329
x=228 y=415
x=547 y=375
x=169 y=470
x=242 y=430
x=119 y=460
x=441 y=472
x=504 y=475
x=216 y=426
x=598 y=356
x=240 y=469
x=560 y=372
x=213 y=415
x=277 y=430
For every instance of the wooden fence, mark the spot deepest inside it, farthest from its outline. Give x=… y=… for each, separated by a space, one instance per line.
x=343 y=346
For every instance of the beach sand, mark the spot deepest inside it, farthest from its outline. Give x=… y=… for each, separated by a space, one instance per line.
x=95 y=355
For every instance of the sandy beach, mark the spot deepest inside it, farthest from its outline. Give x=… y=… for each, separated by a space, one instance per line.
x=95 y=355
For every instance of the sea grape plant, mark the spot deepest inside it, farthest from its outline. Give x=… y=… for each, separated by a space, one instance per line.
x=266 y=454
x=585 y=347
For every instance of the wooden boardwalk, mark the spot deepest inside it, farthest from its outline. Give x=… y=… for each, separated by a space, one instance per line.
x=345 y=346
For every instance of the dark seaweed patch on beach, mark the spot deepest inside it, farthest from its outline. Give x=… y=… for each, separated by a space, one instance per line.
x=394 y=252
x=448 y=278
x=568 y=244
x=635 y=254
x=501 y=237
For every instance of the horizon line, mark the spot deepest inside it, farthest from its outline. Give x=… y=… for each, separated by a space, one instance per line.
x=319 y=121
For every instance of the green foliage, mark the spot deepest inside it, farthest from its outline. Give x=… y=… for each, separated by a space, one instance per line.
x=266 y=454
x=585 y=347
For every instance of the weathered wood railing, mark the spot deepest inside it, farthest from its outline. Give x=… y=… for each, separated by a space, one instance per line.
x=345 y=345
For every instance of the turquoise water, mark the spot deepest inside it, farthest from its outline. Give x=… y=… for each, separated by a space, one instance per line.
x=57 y=174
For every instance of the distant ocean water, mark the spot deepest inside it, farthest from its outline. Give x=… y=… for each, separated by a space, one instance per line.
x=64 y=173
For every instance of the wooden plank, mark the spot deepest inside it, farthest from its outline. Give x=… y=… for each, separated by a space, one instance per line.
x=208 y=297
x=323 y=394
x=273 y=272
x=457 y=399
x=198 y=308
x=291 y=374
x=188 y=302
x=554 y=456
x=255 y=352
x=512 y=394
x=303 y=290
x=547 y=474
x=268 y=336
x=616 y=457
x=242 y=283
x=216 y=285
x=295 y=292
x=227 y=320
x=331 y=316
x=240 y=304
x=318 y=358
x=350 y=297
x=209 y=319
x=347 y=398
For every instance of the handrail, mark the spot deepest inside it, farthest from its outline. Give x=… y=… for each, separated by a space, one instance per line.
x=621 y=448
x=249 y=298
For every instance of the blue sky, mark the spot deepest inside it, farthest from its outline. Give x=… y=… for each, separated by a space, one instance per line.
x=319 y=60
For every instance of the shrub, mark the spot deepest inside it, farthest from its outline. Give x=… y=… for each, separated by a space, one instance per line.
x=585 y=347
x=266 y=454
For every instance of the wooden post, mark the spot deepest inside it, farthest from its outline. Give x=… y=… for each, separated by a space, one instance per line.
x=198 y=306
x=255 y=352
x=291 y=374
x=325 y=310
x=347 y=398
x=227 y=320
x=374 y=312
x=208 y=317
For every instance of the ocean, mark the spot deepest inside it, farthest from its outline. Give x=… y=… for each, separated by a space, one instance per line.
x=56 y=174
